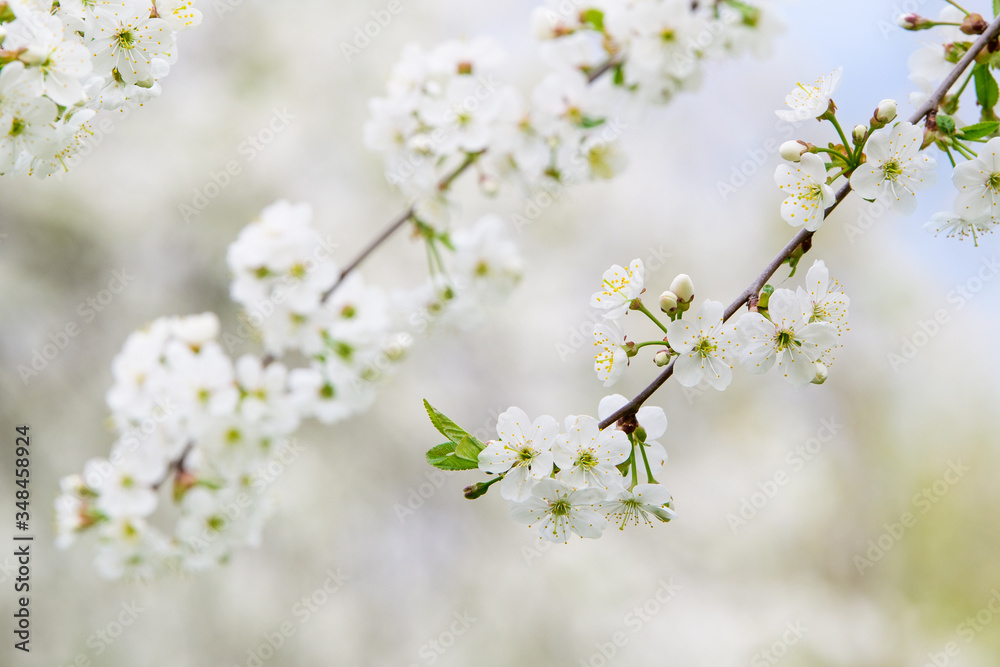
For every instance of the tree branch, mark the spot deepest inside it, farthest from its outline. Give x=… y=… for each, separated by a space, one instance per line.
x=442 y=185
x=803 y=236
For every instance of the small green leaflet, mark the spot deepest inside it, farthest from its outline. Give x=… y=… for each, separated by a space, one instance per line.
x=980 y=130
x=987 y=91
x=461 y=453
x=996 y=7
x=443 y=456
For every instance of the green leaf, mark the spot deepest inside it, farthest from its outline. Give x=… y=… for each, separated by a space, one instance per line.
x=469 y=449
x=946 y=123
x=445 y=426
x=996 y=7
x=443 y=456
x=619 y=79
x=594 y=17
x=462 y=453
x=987 y=91
x=588 y=122
x=980 y=130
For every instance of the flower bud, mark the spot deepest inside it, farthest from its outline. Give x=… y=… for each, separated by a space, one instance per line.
x=913 y=21
x=668 y=302
x=860 y=134
x=821 y=373
x=974 y=24
x=33 y=56
x=489 y=185
x=792 y=150
x=683 y=288
x=661 y=358
x=476 y=490
x=884 y=113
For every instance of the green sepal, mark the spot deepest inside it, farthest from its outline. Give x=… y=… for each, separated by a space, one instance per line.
x=594 y=18
x=945 y=123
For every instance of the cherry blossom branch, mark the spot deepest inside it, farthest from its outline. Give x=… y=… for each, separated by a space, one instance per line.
x=803 y=239
x=398 y=222
x=443 y=184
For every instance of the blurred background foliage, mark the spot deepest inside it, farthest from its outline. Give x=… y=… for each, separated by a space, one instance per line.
x=409 y=573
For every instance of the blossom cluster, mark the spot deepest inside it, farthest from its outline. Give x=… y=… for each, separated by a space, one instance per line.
x=976 y=209
x=444 y=109
x=577 y=477
x=199 y=430
x=795 y=330
x=62 y=62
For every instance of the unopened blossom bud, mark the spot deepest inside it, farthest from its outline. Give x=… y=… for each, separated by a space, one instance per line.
x=661 y=358
x=473 y=491
x=821 y=373
x=913 y=21
x=860 y=134
x=974 y=24
x=683 y=288
x=885 y=112
x=489 y=185
x=33 y=56
x=792 y=150
x=668 y=302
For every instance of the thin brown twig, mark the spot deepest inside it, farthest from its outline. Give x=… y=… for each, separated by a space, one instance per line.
x=442 y=185
x=803 y=236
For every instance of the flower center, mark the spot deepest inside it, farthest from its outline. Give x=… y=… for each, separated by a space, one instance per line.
x=18 y=126
x=993 y=182
x=560 y=507
x=586 y=459
x=705 y=347
x=814 y=191
x=893 y=170
x=126 y=40
x=525 y=455
x=785 y=339
x=818 y=315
